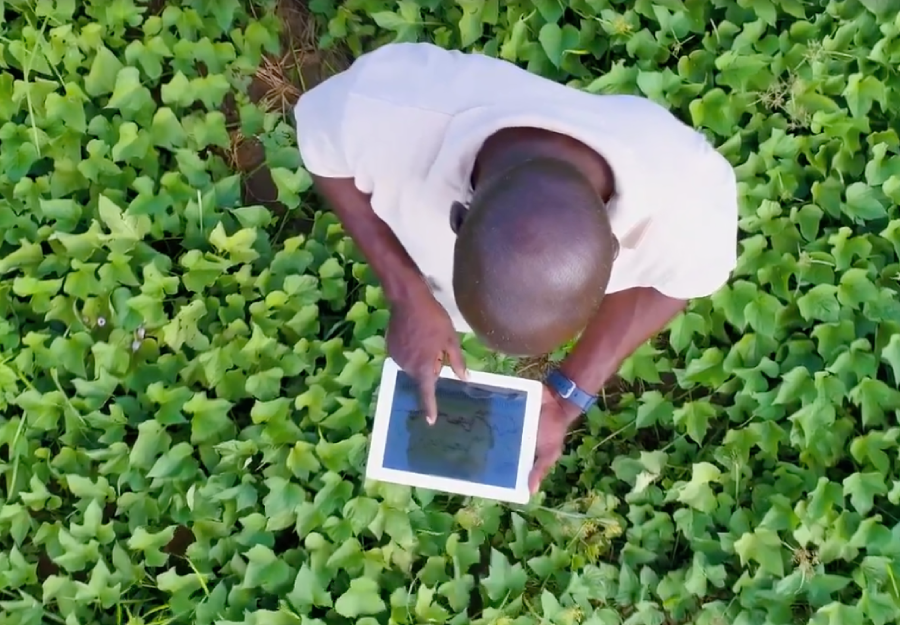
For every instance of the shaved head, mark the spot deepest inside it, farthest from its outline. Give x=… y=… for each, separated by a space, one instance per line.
x=533 y=257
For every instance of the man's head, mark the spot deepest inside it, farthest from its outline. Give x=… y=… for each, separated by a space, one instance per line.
x=533 y=256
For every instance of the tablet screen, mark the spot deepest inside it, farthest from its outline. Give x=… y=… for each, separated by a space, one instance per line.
x=477 y=437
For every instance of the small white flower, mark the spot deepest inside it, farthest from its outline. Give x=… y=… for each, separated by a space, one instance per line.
x=135 y=345
x=140 y=333
x=101 y=321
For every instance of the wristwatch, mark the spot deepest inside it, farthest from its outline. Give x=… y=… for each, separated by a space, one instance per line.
x=557 y=381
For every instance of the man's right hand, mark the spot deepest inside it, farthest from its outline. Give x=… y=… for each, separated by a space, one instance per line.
x=420 y=336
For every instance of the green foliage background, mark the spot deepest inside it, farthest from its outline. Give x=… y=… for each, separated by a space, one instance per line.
x=185 y=385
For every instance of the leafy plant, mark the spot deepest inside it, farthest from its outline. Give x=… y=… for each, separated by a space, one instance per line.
x=744 y=465
x=185 y=385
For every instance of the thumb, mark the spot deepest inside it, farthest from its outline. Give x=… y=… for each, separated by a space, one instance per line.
x=456 y=358
x=542 y=465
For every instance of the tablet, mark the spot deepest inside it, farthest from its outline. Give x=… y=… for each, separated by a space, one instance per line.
x=482 y=444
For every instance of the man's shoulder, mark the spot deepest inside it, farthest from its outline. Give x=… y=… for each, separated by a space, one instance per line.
x=423 y=56
x=407 y=53
x=423 y=75
x=389 y=67
x=696 y=162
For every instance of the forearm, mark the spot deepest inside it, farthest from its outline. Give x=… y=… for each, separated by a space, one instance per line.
x=397 y=272
x=624 y=322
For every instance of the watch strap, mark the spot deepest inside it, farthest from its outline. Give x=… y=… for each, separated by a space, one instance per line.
x=569 y=391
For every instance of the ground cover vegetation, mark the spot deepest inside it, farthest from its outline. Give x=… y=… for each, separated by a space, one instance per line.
x=188 y=355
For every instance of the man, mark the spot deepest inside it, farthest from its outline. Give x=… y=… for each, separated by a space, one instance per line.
x=491 y=200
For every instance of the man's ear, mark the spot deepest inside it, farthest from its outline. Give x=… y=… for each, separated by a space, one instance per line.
x=458 y=213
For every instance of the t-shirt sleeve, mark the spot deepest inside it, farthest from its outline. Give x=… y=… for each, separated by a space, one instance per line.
x=699 y=241
x=319 y=116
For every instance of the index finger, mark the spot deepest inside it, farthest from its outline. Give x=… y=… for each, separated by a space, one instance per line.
x=427 y=381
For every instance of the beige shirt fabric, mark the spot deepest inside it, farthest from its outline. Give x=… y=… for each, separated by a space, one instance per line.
x=406 y=122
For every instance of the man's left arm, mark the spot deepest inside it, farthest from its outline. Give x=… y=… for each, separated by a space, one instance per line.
x=695 y=248
x=624 y=322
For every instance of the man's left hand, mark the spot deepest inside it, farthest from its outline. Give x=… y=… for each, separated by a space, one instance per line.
x=556 y=417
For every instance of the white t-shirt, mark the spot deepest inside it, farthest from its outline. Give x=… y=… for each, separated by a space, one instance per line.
x=407 y=121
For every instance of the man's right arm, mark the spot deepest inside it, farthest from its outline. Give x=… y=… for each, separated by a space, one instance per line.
x=420 y=333
x=324 y=144
x=399 y=276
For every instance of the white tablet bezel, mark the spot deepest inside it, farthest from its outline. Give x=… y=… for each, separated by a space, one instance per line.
x=376 y=470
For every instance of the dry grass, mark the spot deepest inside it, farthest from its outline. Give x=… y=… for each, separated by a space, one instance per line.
x=276 y=87
x=281 y=80
x=534 y=368
x=302 y=34
x=279 y=93
x=234 y=152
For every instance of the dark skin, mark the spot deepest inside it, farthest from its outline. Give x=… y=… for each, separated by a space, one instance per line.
x=420 y=333
x=624 y=322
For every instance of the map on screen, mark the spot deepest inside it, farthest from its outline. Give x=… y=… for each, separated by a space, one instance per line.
x=477 y=437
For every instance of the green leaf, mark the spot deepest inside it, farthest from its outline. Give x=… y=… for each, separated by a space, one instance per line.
x=265 y=570
x=890 y=354
x=763 y=314
x=309 y=590
x=694 y=416
x=874 y=398
x=878 y=7
x=684 y=328
x=863 y=488
x=862 y=92
x=102 y=77
x=266 y=384
x=550 y=10
x=166 y=130
x=839 y=614
x=654 y=409
x=697 y=493
x=820 y=303
x=129 y=95
x=715 y=111
x=863 y=204
x=551 y=39
x=178 y=91
x=503 y=579
x=361 y=599
x=764 y=547
x=122 y=226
